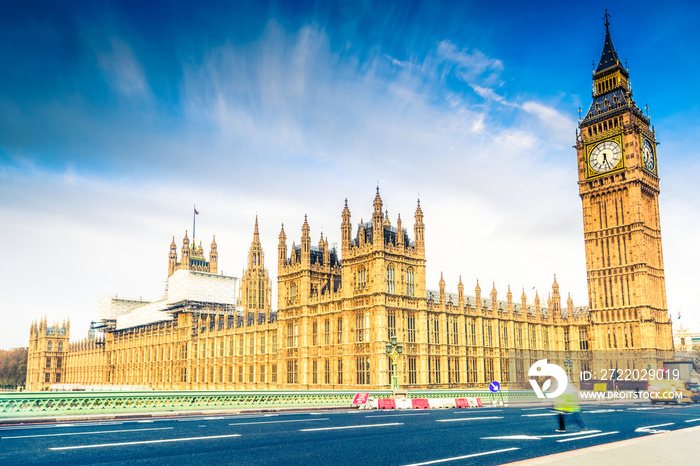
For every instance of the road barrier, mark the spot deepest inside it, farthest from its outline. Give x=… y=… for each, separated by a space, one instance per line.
x=29 y=404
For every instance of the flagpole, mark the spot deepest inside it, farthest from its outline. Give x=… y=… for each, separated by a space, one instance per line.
x=194 y=217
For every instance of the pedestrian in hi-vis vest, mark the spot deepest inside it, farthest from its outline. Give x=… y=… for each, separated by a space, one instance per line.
x=567 y=406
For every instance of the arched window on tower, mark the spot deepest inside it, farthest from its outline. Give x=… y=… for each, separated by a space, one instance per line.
x=390 y=283
x=409 y=282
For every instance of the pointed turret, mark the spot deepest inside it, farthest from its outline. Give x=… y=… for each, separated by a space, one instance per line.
x=460 y=294
x=172 y=257
x=442 y=289
x=509 y=301
x=399 y=232
x=306 y=242
x=377 y=221
x=213 y=256
x=282 y=249
x=419 y=229
x=255 y=253
x=346 y=230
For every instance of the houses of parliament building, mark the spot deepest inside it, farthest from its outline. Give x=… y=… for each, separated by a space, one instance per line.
x=336 y=309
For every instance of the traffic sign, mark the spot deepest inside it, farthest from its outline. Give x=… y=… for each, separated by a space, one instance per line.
x=494 y=386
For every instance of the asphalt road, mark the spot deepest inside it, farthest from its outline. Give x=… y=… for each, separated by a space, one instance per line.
x=485 y=436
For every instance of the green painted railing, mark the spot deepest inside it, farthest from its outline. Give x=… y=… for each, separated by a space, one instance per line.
x=34 y=404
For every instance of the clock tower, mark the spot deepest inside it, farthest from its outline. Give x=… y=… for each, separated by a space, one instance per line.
x=619 y=189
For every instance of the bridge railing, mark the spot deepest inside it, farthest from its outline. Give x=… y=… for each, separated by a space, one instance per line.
x=31 y=404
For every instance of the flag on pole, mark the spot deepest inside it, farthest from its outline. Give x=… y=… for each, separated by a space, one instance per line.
x=196 y=212
x=679 y=314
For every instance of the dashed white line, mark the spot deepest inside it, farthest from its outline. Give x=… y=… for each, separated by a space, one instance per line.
x=469 y=419
x=279 y=422
x=532 y=409
x=473 y=455
x=538 y=415
x=86 y=433
x=143 y=442
x=352 y=427
x=693 y=420
x=587 y=436
x=402 y=414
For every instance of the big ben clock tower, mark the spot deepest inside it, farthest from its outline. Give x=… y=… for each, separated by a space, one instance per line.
x=619 y=189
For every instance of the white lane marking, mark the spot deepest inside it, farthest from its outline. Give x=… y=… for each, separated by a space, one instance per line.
x=279 y=422
x=642 y=409
x=598 y=411
x=537 y=415
x=539 y=437
x=143 y=442
x=469 y=419
x=461 y=411
x=587 y=436
x=393 y=415
x=532 y=409
x=86 y=433
x=571 y=434
x=51 y=426
x=352 y=427
x=143 y=422
x=210 y=418
x=693 y=420
x=652 y=429
x=473 y=455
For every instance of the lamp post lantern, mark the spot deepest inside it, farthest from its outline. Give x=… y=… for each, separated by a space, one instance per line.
x=394 y=350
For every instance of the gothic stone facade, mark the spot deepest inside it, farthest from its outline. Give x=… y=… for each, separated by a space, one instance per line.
x=333 y=318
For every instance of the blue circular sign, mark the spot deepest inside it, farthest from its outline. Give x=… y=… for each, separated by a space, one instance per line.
x=494 y=386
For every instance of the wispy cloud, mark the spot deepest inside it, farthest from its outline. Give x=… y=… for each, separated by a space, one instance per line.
x=122 y=69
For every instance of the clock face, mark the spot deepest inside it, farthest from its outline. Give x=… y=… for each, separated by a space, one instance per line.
x=605 y=156
x=648 y=155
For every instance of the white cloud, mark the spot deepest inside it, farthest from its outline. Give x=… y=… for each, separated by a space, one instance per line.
x=123 y=71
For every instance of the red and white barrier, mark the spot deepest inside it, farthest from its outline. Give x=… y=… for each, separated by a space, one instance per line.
x=422 y=403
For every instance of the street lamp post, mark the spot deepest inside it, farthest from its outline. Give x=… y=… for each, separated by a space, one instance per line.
x=394 y=350
x=568 y=364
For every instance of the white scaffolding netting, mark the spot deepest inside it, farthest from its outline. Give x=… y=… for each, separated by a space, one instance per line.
x=202 y=287
x=183 y=285
x=111 y=308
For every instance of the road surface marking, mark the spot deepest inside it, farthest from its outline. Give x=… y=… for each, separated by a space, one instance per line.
x=404 y=414
x=587 y=436
x=489 y=410
x=469 y=419
x=642 y=409
x=538 y=437
x=692 y=420
x=352 y=427
x=531 y=409
x=278 y=422
x=473 y=455
x=598 y=411
x=652 y=429
x=537 y=415
x=86 y=433
x=571 y=434
x=143 y=442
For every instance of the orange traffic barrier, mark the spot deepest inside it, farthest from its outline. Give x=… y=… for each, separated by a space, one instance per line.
x=387 y=403
x=461 y=402
x=478 y=401
x=420 y=403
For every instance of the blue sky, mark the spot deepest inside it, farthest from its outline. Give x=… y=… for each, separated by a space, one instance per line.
x=117 y=117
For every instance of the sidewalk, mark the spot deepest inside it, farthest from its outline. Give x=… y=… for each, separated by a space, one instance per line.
x=677 y=447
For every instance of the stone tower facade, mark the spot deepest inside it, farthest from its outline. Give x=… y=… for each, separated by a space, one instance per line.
x=48 y=349
x=334 y=321
x=619 y=189
x=193 y=257
x=255 y=283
